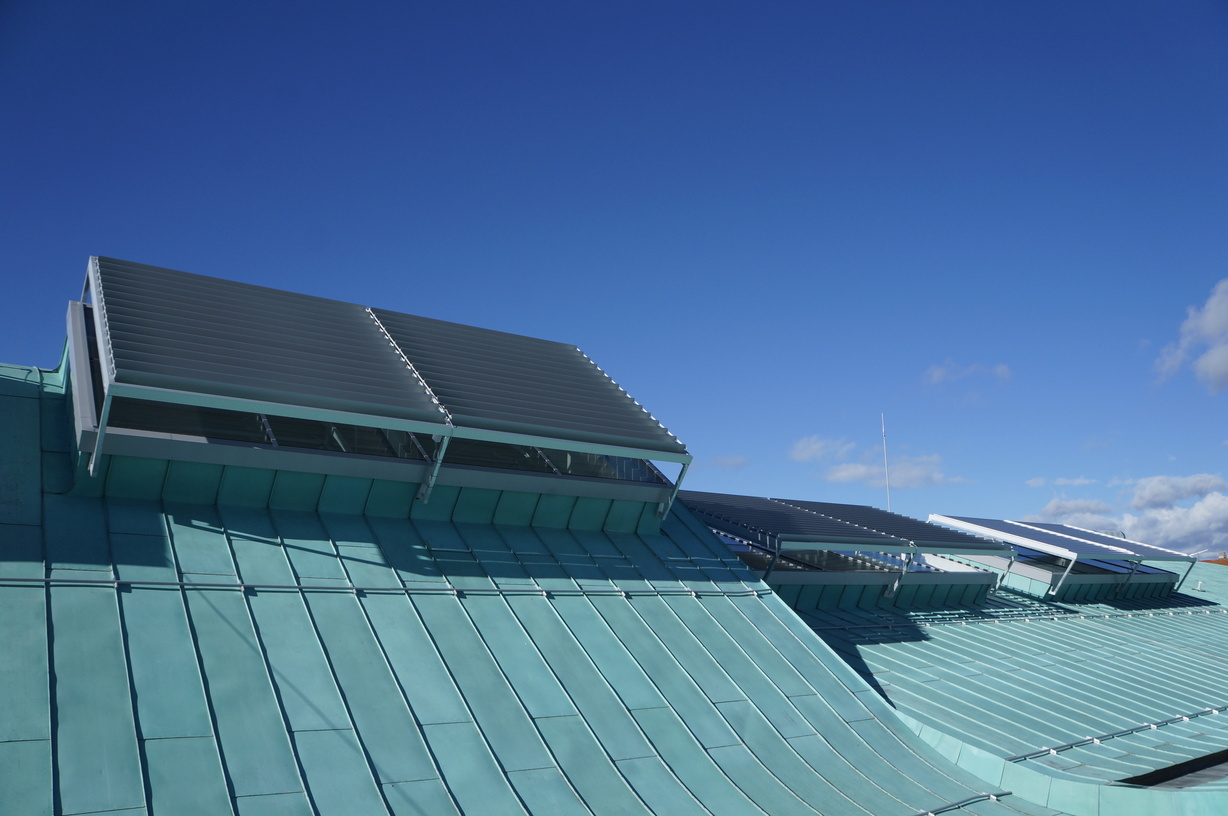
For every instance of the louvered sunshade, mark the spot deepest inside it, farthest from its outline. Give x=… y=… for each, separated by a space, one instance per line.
x=925 y=536
x=509 y=382
x=802 y=524
x=177 y=331
x=170 y=329
x=752 y=516
x=1062 y=539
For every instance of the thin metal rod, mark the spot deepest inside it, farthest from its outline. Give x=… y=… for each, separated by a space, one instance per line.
x=772 y=563
x=1125 y=732
x=440 y=589
x=1181 y=583
x=663 y=510
x=424 y=492
x=1124 y=585
x=1007 y=571
x=96 y=454
x=1069 y=565
x=886 y=470
x=971 y=800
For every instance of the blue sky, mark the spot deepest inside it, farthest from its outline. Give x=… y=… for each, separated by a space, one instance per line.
x=999 y=224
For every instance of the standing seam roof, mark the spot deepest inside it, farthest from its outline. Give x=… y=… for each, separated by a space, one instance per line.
x=229 y=659
x=1052 y=675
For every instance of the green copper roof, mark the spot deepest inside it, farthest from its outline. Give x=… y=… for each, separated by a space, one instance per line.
x=1094 y=692
x=169 y=657
x=180 y=635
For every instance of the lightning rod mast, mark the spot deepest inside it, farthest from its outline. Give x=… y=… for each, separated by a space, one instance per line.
x=886 y=471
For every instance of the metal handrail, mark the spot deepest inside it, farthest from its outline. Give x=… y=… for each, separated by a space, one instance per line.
x=1125 y=732
x=404 y=589
x=971 y=800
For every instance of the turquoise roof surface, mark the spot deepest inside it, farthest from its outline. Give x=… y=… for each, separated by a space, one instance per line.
x=259 y=657
x=221 y=637
x=1096 y=692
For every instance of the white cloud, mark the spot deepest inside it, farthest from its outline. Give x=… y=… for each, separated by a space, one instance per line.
x=1040 y=481
x=1161 y=517
x=816 y=448
x=1203 y=526
x=1066 y=508
x=906 y=471
x=949 y=370
x=1096 y=444
x=730 y=462
x=1212 y=367
x=1204 y=336
x=852 y=472
x=1165 y=491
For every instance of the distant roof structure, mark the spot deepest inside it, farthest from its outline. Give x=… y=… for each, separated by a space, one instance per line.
x=1061 y=540
x=1017 y=534
x=1148 y=551
x=784 y=525
x=1066 y=542
x=925 y=537
x=807 y=525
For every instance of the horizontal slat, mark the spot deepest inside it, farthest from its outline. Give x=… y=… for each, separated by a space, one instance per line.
x=928 y=537
x=1038 y=539
x=504 y=381
x=175 y=329
x=780 y=521
x=1136 y=547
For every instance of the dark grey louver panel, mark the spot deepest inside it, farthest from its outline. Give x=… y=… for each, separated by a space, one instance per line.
x=1136 y=547
x=177 y=330
x=507 y=382
x=928 y=537
x=1043 y=540
x=782 y=521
